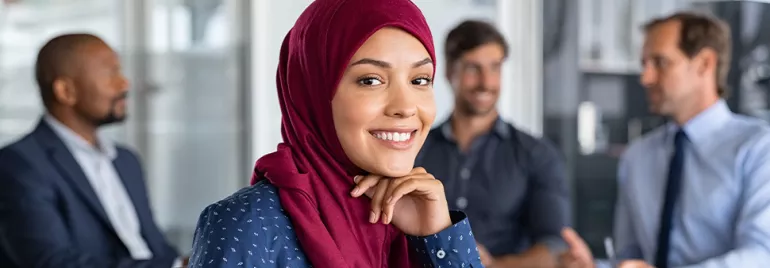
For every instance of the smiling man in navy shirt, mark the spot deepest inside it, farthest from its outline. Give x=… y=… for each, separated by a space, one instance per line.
x=511 y=185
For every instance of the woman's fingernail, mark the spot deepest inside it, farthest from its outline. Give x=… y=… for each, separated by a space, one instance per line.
x=372 y=217
x=354 y=192
x=356 y=178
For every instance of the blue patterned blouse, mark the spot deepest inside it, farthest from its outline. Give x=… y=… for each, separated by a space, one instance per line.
x=249 y=229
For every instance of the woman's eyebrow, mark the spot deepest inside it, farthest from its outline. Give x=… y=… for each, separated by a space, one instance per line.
x=422 y=62
x=378 y=63
x=387 y=65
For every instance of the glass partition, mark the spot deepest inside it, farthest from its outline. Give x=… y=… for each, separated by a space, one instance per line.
x=185 y=60
x=27 y=25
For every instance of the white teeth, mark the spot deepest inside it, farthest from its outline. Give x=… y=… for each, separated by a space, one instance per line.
x=393 y=136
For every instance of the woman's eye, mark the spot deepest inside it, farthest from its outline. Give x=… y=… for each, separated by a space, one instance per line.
x=422 y=81
x=370 y=81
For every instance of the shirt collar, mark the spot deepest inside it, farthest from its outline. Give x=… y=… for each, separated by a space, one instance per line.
x=500 y=128
x=702 y=127
x=76 y=142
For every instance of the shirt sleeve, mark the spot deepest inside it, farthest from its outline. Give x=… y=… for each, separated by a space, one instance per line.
x=624 y=234
x=246 y=232
x=177 y=263
x=548 y=210
x=452 y=247
x=752 y=227
x=214 y=244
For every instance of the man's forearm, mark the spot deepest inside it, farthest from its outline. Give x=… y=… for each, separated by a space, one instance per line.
x=537 y=256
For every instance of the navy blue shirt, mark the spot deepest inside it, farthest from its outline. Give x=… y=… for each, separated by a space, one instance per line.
x=250 y=229
x=511 y=185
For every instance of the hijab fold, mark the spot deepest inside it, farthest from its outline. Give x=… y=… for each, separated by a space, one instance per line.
x=310 y=168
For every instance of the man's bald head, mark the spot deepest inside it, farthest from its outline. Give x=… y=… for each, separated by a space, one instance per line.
x=60 y=58
x=80 y=77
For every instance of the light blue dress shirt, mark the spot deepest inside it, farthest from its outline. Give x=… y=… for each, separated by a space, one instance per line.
x=722 y=216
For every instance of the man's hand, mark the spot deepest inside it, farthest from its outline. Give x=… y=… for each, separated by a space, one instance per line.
x=486 y=259
x=181 y=262
x=537 y=256
x=635 y=264
x=578 y=255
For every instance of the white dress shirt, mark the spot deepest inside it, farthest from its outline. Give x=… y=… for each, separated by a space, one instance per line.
x=96 y=163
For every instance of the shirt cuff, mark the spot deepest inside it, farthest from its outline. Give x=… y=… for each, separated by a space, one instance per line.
x=452 y=247
x=630 y=253
x=177 y=263
x=555 y=244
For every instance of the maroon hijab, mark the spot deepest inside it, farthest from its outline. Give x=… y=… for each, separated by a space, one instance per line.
x=310 y=168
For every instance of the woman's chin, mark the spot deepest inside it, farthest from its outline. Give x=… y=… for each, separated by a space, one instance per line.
x=394 y=169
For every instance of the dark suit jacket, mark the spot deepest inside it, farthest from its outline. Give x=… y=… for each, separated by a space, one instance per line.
x=50 y=215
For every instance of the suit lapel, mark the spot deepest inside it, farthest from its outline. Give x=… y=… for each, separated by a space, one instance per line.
x=69 y=168
x=72 y=172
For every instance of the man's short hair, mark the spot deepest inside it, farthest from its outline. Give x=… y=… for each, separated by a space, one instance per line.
x=699 y=31
x=57 y=58
x=469 y=35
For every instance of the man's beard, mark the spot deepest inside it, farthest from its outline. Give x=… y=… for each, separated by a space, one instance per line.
x=467 y=108
x=112 y=117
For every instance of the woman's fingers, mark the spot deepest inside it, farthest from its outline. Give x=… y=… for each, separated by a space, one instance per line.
x=365 y=185
x=373 y=186
x=398 y=181
x=422 y=186
x=386 y=192
x=377 y=200
x=389 y=206
x=418 y=170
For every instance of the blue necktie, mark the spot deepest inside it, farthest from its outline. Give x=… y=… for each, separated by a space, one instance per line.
x=673 y=187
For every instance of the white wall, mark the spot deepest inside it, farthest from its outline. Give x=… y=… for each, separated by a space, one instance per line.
x=521 y=99
x=271 y=21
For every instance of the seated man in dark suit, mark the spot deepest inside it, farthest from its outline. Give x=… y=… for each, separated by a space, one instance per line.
x=70 y=198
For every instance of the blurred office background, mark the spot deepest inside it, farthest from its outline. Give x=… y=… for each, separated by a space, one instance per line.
x=203 y=106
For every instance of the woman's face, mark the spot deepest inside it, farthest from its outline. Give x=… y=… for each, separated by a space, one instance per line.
x=384 y=108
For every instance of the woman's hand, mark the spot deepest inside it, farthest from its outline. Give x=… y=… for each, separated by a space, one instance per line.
x=415 y=204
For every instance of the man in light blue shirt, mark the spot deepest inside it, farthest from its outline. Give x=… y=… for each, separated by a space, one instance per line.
x=696 y=191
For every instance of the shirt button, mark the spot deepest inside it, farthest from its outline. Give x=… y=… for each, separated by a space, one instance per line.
x=462 y=202
x=465 y=173
x=441 y=254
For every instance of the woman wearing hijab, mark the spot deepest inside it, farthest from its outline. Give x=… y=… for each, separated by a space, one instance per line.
x=356 y=94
